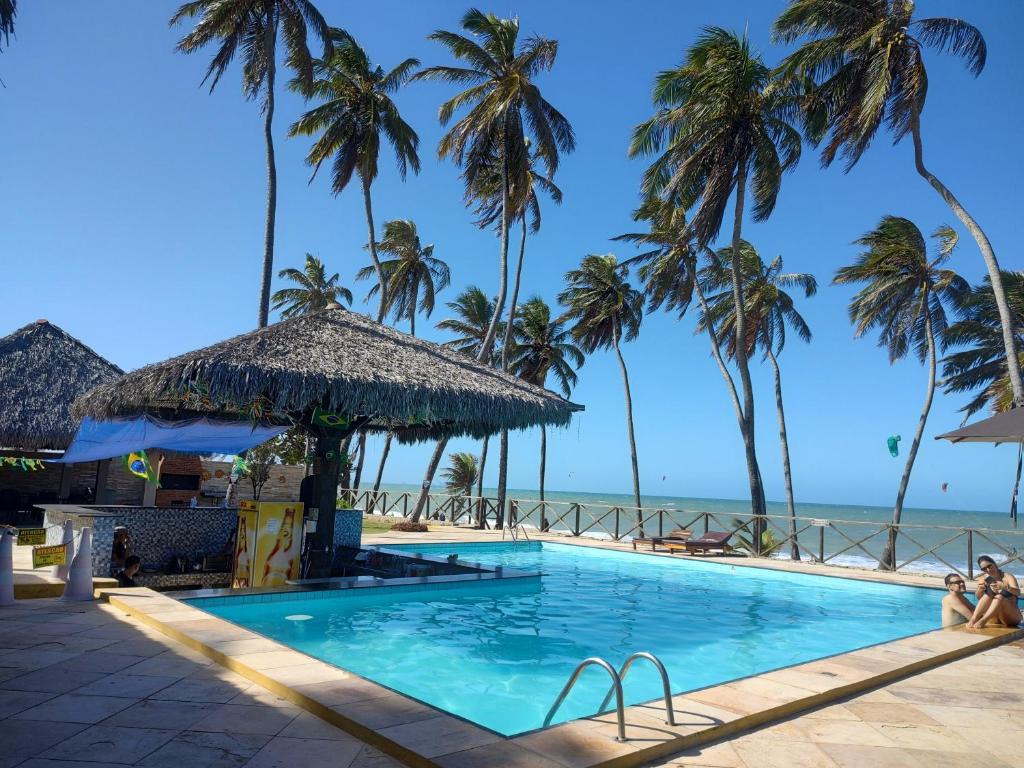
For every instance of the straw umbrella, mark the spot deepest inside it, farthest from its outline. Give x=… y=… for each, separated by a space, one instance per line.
x=332 y=373
x=42 y=370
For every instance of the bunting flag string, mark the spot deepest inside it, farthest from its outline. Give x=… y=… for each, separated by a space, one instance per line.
x=25 y=465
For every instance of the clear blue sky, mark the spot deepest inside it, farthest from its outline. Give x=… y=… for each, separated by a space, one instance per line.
x=131 y=212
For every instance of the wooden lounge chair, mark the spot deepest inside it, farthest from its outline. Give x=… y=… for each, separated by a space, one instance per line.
x=712 y=541
x=677 y=536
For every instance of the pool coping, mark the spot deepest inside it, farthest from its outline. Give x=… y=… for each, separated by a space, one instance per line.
x=421 y=735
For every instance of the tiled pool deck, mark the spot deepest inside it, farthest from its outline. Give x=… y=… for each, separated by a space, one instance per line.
x=148 y=680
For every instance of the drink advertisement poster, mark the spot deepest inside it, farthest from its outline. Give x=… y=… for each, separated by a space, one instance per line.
x=245 y=547
x=278 y=544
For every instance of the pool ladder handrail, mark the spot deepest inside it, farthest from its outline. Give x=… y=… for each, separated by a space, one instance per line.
x=616 y=689
x=665 y=685
x=512 y=531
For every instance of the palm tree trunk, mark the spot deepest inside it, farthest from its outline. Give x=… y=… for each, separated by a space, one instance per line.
x=481 y=515
x=488 y=342
x=787 y=475
x=372 y=247
x=716 y=352
x=505 y=344
x=632 y=438
x=888 y=562
x=383 y=460
x=987 y=253
x=268 y=238
x=742 y=364
x=543 y=467
x=359 y=464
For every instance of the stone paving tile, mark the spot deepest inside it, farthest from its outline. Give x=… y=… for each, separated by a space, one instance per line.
x=281 y=752
x=439 y=735
x=76 y=708
x=374 y=758
x=161 y=714
x=12 y=702
x=506 y=755
x=309 y=726
x=202 y=688
x=881 y=712
x=29 y=738
x=859 y=756
x=206 y=750
x=720 y=755
x=111 y=744
x=121 y=684
x=167 y=664
x=51 y=680
x=40 y=762
x=782 y=754
x=234 y=718
x=100 y=661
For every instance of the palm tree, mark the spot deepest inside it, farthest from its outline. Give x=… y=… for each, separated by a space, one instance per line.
x=473 y=314
x=503 y=105
x=542 y=345
x=413 y=277
x=769 y=309
x=904 y=297
x=982 y=366
x=315 y=290
x=252 y=26
x=866 y=61
x=355 y=113
x=460 y=476
x=487 y=193
x=723 y=120
x=606 y=310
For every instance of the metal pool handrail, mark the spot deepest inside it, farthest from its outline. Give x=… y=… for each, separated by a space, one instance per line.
x=620 y=710
x=665 y=686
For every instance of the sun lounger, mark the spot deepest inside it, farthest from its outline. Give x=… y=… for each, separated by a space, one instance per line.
x=677 y=536
x=712 y=541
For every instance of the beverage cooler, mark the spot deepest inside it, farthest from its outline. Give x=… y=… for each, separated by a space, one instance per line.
x=268 y=543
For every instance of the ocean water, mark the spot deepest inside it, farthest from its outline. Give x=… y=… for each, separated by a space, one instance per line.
x=498 y=653
x=940 y=528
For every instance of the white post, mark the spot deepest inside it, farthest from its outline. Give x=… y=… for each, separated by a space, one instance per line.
x=6 y=567
x=68 y=540
x=79 y=586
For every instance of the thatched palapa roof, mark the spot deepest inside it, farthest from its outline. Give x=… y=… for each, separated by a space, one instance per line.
x=344 y=363
x=42 y=370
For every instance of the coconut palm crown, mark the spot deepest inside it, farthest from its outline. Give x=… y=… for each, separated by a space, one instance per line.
x=979 y=366
x=864 y=62
x=8 y=10
x=542 y=346
x=315 y=290
x=473 y=312
x=905 y=292
x=770 y=308
x=461 y=474
x=413 y=276
x=721 y=117
x=603 y=307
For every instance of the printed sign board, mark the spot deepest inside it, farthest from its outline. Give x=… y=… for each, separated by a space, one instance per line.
x=245 y=548
x=31 y=536
x=817 y=523
x=278 y=544
x=55 y=555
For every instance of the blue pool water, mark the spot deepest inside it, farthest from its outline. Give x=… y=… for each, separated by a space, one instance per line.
x=497 y=653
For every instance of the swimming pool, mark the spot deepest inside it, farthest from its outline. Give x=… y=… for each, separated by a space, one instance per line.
x=498 y=653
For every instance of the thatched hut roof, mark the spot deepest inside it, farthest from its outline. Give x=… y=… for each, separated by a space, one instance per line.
x=42 y=370
x=342 y=362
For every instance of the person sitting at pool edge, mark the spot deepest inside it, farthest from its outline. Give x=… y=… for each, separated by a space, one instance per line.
x=997 y=594
x=956 y=609
x=125 y=577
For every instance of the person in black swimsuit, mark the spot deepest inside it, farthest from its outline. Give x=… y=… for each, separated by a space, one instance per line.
x=997 y=593
x=126 y=576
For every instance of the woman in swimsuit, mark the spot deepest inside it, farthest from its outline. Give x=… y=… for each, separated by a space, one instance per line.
x=997 y=594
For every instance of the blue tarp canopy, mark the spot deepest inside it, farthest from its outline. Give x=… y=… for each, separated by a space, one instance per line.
x=97 y=440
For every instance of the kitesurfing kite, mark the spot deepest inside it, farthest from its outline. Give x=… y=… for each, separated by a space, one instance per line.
x=894 y=445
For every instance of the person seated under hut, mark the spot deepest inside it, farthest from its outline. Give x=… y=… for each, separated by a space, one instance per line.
x=997 y=593
x=956 y=609
x=120 y=549
x=126 y=576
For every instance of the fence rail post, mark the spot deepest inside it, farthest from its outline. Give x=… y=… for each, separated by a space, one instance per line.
x=661 y=522
x=576 y=525
x=821 y=543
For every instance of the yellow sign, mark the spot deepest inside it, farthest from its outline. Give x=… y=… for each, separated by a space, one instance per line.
x=55 y=555
x=31 y=536
x=249 y=506
x=278 y=544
